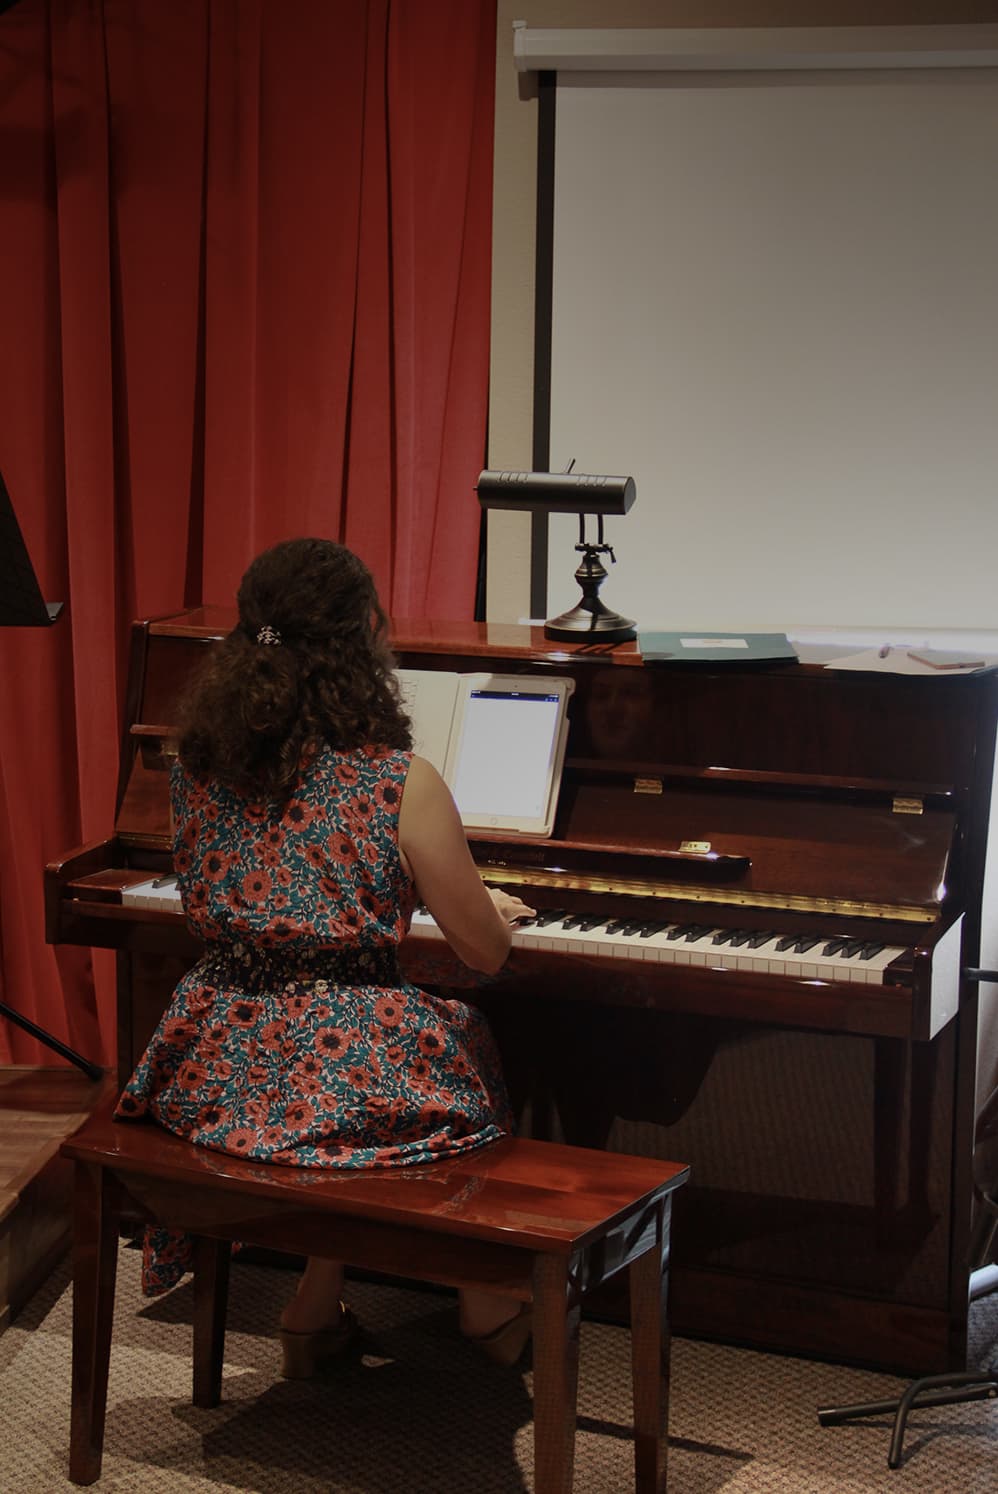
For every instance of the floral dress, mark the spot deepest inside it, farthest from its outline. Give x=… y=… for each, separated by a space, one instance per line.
x=295 y=1039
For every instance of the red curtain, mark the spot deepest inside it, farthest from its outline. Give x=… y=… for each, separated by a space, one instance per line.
x=244 y=291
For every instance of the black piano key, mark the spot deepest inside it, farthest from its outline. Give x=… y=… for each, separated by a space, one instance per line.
x=869 y=950
x=697 y=931
x=834 y=947
x=591 y=921
x=758 y=940
x=851 y=947
x=550 y=915
x=618 y=926
x=680 y=930
x=573 y=921
x=723 y=936
x=649 y=929
x=787 y=942
x=740 y=937
x=805 y=943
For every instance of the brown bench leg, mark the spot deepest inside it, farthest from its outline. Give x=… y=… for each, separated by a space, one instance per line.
x=95 y=1262
x=650 y=1344
x=211 y=1295
x=556 y=1375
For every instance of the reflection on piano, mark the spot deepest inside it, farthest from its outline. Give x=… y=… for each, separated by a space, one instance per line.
x=753 y=913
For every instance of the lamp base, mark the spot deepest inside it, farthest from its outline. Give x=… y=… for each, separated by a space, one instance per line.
x=590 y=618
x=597 y=624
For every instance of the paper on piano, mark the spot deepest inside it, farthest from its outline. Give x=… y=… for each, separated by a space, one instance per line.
x=900 y=658
x=429 y=697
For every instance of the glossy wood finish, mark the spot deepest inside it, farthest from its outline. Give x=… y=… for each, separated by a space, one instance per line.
x=97 y=1195
x=39 y=1108
x=831 y=1124
x=540 y=1222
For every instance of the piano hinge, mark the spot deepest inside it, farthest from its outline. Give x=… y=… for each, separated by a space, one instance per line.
x=907 y=806
x=647 y=785
x=566 y=881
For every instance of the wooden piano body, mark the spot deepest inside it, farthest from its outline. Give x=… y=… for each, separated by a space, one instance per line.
x=828 y=1114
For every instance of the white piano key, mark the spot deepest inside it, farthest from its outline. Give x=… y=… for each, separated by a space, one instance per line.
x=158 y=893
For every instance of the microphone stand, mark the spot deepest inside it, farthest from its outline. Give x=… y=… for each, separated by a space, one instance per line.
x=92 y=1070
x=937 y=1390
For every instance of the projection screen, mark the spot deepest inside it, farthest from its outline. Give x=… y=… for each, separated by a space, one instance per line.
x=775 y=304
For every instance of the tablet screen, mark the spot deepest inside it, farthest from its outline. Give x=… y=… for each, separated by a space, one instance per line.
x=505 y=767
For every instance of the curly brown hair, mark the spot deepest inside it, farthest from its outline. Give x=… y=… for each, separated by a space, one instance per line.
x=320 y=674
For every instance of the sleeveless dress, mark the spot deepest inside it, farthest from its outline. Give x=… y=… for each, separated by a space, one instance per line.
x=295 y=1038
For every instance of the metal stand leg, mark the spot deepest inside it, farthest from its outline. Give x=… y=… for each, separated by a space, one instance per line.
x=92 y=1070
x=931 y=1390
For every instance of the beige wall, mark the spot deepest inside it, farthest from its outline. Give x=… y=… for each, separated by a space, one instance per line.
x=510 y=407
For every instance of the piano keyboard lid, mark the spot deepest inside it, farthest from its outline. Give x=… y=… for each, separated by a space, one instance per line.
x=876 y=857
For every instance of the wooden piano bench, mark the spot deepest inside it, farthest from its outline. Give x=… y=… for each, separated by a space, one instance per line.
x=534 y=1220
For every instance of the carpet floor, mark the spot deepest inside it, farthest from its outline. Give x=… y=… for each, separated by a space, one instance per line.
x=420 y=1412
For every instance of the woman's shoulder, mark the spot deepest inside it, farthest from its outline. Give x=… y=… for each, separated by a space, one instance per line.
x=363 y=767
x=190 y=792
x=369 y=756
x=182 y=780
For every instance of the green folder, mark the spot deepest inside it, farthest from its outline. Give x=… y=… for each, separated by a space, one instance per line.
x=693 y=647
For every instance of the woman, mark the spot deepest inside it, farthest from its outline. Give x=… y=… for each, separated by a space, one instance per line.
x=305 y=831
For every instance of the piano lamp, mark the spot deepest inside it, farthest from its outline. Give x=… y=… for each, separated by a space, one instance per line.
x=571 y=493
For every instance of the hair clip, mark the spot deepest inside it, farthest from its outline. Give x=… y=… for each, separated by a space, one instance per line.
x=268 y=635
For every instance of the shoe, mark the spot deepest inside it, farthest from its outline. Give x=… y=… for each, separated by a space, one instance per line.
x=505 y=1344
x=304 y=1354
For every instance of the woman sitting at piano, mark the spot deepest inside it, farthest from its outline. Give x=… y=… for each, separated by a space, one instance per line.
x=305 y=832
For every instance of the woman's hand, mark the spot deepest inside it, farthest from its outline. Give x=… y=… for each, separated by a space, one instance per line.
x=509 y=908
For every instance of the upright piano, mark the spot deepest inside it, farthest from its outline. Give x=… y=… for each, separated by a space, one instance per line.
x=755 y=917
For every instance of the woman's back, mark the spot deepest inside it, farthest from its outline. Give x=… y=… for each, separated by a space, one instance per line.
x=321 y=870
x=296 y=1038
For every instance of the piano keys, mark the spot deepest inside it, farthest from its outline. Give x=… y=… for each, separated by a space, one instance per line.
x=694 y=944
x=761 y=890
x=769 y=952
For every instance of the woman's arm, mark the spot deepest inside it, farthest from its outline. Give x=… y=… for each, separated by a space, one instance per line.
x=435 y=852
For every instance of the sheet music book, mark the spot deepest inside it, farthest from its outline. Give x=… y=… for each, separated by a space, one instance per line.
x=693 y=647
x=497 y=740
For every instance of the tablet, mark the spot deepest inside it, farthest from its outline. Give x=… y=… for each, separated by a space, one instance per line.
x=506 y=751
